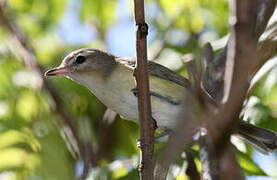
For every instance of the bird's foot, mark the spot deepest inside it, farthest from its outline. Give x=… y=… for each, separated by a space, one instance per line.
x=163 y=136
x=135 y=91
x=139 y=145
x=157 y=139
x=154 y=123
x=140 y=167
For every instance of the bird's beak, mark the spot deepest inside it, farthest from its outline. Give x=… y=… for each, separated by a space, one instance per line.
x=58 y=71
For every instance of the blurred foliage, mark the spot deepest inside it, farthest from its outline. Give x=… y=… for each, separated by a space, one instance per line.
x=100 y=12
x=32 y=144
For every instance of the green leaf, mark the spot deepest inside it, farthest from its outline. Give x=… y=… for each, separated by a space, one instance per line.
x=248 y=165
x=131 y=175
x=13 y=158
x=189 y=14
x=120 y=172
x=27 y=106
x=11 y=137
x=100 y=13
x=36 y=17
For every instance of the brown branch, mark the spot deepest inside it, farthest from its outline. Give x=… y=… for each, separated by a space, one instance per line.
x=266 y=50
x=147 y=126
x=236 y=81
x=238 y=49
x=214 y=75
x=23 y=49
x=214 y=118
x=213 y=81
x=238 y=66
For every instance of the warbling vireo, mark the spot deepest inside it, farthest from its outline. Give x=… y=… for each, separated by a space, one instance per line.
x=111 y=80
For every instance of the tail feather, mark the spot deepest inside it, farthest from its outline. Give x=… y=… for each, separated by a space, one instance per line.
x=263 y=140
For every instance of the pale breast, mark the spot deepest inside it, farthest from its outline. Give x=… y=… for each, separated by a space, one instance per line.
x=115 y=92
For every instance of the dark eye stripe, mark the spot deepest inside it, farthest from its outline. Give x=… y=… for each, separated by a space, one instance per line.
x=80 y=59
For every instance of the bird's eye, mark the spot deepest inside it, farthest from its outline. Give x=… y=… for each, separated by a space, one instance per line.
x=80 y=59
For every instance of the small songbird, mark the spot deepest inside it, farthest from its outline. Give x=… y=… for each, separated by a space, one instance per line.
x=111 y=80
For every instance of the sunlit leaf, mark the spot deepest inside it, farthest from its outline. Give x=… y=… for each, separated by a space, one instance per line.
x=131 y=175
x=37 y=16
x=188 y=11
x=248 y=165
x=11 y=137
x=13 y=158
x=181 y=177
x=100 y=13
x=119 y=172
x=27 y=106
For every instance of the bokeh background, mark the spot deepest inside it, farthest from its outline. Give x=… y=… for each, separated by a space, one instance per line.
x=33 y=143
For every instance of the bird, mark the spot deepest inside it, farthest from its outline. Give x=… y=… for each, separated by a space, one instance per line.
x=110 y=79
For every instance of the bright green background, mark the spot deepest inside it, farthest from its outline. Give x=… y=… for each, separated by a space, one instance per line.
x=31 y=142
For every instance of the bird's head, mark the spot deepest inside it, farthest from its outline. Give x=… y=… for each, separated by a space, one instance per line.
x=83 y=61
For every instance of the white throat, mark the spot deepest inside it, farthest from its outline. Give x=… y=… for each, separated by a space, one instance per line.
x=114 y=91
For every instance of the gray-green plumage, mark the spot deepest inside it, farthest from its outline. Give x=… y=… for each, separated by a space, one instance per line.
x=157 y=70
x=111 y=80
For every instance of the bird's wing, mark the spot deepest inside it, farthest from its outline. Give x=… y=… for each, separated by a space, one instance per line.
x=162 y=72
x=158 y=71
x=165 y=84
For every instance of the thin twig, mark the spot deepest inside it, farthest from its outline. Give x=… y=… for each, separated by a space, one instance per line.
x=147 y=126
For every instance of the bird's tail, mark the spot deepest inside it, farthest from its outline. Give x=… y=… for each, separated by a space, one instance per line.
x=262 y=139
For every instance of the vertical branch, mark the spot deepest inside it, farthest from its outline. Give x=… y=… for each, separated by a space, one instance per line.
x=214 y=82
x=241 y=46
x=147 y=126
x=241 y=58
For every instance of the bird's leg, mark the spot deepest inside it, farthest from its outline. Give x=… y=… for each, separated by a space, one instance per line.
x=163 y=136
x=135 y=91
x=154 y=123
x=157 y=139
